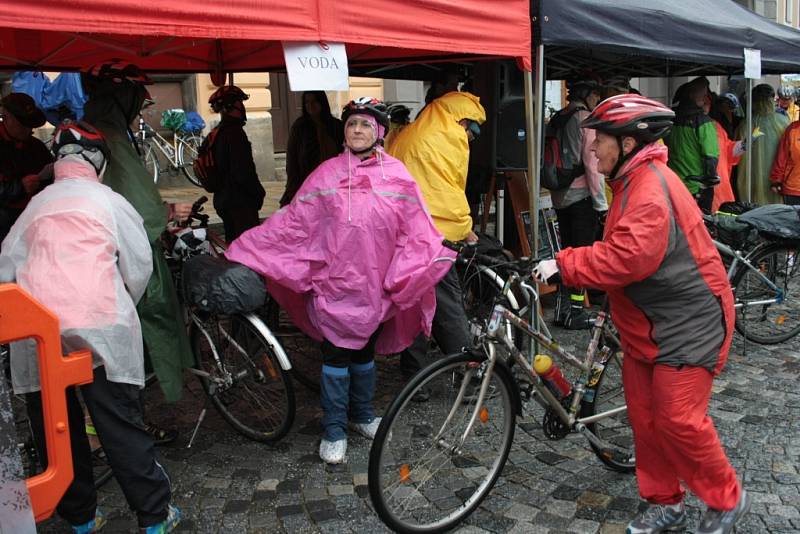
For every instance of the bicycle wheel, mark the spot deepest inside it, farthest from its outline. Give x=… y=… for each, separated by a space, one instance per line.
x=149 y=159
x=614 y=430
x=772 y=322
x=417 y=482
x=245 y=380
x=187 y=153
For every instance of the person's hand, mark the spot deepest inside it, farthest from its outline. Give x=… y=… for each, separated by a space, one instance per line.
x=776 y=188
x=181 y=211
x=471 y=238
x=601 y=217
x=546 y=272
x=30 y=183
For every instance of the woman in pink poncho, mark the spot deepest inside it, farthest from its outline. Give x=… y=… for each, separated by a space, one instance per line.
x=354 y=260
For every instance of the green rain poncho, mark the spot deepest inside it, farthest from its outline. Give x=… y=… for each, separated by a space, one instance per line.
x=165 y=339
x=772 y=125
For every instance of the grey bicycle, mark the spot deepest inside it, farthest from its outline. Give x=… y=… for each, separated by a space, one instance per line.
x=431 y=464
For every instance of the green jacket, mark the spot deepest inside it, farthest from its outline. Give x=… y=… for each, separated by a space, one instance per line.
x=693 y=146
x=165 y=340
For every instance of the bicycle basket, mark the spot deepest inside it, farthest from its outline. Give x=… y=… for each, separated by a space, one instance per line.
x=219 y=286
x=173 y=119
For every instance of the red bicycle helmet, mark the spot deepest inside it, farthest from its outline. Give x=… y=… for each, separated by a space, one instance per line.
x=631 y=115
x=369 y=106
x=225 y=96
x=83 y=139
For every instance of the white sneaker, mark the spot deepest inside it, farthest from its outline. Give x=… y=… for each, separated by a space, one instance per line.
x=333 y=452
x=368 y=430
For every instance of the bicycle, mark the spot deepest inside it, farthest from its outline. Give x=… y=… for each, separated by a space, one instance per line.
x=179 y=153
x=431 y=464
x=765 y=284
x=243 y=369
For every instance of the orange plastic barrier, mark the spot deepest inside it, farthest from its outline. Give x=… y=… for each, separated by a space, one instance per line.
x=21 y=316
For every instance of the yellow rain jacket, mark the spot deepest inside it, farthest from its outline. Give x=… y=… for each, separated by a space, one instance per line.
x=435 y=150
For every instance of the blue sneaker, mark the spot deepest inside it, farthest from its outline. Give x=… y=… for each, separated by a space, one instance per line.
x=95 y=525
x=168 y=525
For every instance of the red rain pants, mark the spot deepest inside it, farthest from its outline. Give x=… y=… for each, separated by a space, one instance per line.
x=674 y=437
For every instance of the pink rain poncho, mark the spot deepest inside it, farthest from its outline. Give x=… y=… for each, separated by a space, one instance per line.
x=81 y=250
x=355 y=249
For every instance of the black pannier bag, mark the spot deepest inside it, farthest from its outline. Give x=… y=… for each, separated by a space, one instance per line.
x=219 y=286
x=775 y=220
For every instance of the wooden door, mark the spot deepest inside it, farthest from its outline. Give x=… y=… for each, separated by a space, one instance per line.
x=286 y=108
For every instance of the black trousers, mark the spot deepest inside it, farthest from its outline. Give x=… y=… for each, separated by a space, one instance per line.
x=791 y=200
x=577 y=226
x=237 y=220
x=116 y=415
x=450 y=326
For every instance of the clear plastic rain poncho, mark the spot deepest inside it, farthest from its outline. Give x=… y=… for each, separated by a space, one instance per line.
x=81 y=250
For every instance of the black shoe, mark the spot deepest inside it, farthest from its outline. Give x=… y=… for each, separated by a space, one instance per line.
x=577 y=319
x=161 y=436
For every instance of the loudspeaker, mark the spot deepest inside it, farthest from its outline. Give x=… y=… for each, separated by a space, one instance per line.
x=510 y=134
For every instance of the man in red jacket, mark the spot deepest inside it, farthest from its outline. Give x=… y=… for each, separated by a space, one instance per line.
x=673 y=306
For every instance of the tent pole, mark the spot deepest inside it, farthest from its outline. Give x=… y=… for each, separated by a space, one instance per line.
x=749 y=138
x=534 y=125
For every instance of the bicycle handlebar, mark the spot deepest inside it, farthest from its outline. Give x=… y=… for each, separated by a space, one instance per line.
x=469 y=252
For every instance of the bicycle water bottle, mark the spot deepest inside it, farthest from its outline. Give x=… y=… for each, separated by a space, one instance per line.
x=552 y=376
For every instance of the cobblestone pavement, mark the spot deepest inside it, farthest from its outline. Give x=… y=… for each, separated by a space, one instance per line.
x=226 y=483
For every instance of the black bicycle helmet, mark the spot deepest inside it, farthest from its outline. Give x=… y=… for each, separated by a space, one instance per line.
x=579 y=89
x=111 y=73
x=226 y=96
x=83 y=139
x=369 y=106
x=400 y=114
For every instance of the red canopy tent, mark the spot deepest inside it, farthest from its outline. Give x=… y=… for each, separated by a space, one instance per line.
x=245 y=35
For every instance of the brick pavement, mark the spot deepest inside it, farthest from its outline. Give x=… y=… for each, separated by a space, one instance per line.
x=226 y=483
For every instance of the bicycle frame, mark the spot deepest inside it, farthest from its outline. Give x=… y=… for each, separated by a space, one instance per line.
x=739 y=259
x=497 y=334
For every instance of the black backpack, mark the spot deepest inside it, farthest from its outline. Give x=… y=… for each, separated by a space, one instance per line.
x=555 y=174
x=205 y=166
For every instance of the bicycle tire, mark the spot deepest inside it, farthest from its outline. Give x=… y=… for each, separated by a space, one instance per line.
x=769 y=324
x=404 y=431
x=248 y=387
x=615 y=430
x=187 y=153
x=149 y=159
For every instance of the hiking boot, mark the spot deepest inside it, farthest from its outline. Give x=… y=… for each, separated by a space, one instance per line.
x=95 y=525
x=659 y=518
x=368 y=430
x=166 y=526
x=333 y=452
x=577 y=319
x=722 y=522
x=161 y=436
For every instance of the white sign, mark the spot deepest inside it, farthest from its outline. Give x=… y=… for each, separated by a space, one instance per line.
x=316 y=66
x=752 y=63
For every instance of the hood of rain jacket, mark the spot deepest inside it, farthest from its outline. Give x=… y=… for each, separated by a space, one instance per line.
x=355 y=249
x=103 y=263
x=435 y=150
